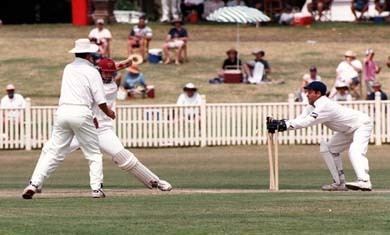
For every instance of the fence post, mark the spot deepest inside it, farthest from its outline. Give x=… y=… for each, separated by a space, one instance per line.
x=203 y=137
x=291 y=134
x=27 y=123
x=378 y=124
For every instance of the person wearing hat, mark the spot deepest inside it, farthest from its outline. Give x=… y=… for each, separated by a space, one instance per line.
x=371 y=69
x=109 y=141
x=12 y=101
x=352 y=131
x=232 y=61
x=176 y=39
x=140 y=37
x=81 y=89
x=190 y=96
x=348 y=71
x=342 y=92
x=102 y=37
x=376 y=86
x=256 y=70
x=306 y=79
x=134 y=82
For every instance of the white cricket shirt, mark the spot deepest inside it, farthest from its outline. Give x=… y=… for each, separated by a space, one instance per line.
x=183 y=99
x=16 y=102
x=81 y=84
x=331 y=114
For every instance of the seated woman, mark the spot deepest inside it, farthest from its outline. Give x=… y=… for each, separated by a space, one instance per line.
x=134 y=82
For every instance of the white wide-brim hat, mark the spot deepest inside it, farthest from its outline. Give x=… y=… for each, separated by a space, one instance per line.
x=10 y=87
x=190 y=86
x=83 y=45
x=340 y=84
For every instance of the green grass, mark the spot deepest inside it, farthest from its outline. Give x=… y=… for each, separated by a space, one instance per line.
x=33 y=57
x=239 y=167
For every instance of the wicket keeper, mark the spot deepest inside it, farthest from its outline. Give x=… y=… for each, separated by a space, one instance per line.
x=352 y=131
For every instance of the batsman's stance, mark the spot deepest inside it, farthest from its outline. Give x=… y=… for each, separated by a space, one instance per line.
x=353 y=130
x=81 y=88
x=110 y=143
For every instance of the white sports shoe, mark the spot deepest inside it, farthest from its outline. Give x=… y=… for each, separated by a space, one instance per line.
x=29 y=191
x=99 y=193
x=164 y=185
x=334 y=187
x=364 y=185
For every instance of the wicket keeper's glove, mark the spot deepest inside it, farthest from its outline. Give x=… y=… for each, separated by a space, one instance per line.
x=273 y=125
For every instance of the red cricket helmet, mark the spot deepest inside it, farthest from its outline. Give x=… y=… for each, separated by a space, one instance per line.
x=107 y=65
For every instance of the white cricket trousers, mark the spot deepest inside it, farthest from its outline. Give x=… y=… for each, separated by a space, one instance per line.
x=71 y=120
x=108 y=142
x=173 y=5
x=357 y=142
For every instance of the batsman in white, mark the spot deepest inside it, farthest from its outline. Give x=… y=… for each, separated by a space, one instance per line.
x=353 y=129
x=110 y=143
x=81 y=88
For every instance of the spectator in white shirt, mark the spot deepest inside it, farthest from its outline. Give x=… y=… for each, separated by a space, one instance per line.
x=12 y=101
x=81 y=88
x=348 y=71
x=102 y=37
x=190 y=96
x=140 y=37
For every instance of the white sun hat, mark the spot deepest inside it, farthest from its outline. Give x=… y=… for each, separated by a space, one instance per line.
x=340 y=84
x=10 y=87
x=83 y=45
x=190 y=86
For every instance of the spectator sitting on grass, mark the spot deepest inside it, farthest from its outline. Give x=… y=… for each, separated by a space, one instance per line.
x=376 y=88
x=342 y=92
x=256 y=70
x=134 y=81
x=230 y=63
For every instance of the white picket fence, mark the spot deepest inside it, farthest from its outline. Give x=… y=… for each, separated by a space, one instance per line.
x=208 y=124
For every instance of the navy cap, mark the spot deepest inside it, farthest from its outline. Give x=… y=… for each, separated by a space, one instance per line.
x=316 y=86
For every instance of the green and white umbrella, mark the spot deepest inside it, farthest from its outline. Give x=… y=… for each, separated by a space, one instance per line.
x=238 y=15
